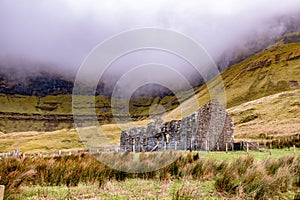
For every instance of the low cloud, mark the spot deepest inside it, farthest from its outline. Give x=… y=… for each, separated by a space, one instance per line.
x=59 y=34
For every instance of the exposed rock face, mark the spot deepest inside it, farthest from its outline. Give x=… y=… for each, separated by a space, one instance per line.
x=209 y=128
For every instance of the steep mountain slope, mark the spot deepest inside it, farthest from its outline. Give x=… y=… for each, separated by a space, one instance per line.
x=275 y=69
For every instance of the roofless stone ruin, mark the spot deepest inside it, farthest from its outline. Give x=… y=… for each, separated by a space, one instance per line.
x=209 y=128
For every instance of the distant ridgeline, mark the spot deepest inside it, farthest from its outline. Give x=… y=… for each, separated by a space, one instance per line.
x=209 y=128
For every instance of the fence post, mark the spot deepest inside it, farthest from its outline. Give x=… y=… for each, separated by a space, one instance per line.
x=294 y=147
x=133 y=145
x=2 y=188
x=247 y=147
x=226 y=147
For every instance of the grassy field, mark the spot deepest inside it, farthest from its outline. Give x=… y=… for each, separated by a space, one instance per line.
x=197 y=175
x=130 y=189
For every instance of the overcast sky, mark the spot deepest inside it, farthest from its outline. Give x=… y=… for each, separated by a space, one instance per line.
x=61 y=33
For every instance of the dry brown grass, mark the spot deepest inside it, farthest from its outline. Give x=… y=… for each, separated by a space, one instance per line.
x=276 y=115
x=242 y=177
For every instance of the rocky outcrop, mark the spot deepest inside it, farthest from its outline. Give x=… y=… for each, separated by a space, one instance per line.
x=209 y=128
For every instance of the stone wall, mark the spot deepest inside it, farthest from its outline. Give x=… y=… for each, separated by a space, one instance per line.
x=242 y=145
x=209 y=128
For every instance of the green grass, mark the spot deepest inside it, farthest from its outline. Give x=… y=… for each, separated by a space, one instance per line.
x=258 y=155
x=132 y=188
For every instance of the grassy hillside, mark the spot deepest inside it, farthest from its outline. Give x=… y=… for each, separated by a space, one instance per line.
x=274 y=70
x=274 y=116
x=27 y=113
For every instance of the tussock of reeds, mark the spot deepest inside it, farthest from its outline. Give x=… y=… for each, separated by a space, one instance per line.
x=243 y=177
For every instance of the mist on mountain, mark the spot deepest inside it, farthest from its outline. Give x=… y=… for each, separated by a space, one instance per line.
x=39 y=39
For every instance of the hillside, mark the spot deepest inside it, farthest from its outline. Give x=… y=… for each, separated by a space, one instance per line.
x=273 y=70
x=270 y=117
x=54 y=112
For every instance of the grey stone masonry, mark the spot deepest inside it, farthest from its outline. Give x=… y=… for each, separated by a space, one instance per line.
x=209 y=128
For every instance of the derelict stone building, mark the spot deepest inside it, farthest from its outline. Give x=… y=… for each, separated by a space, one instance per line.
x=209 y=128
